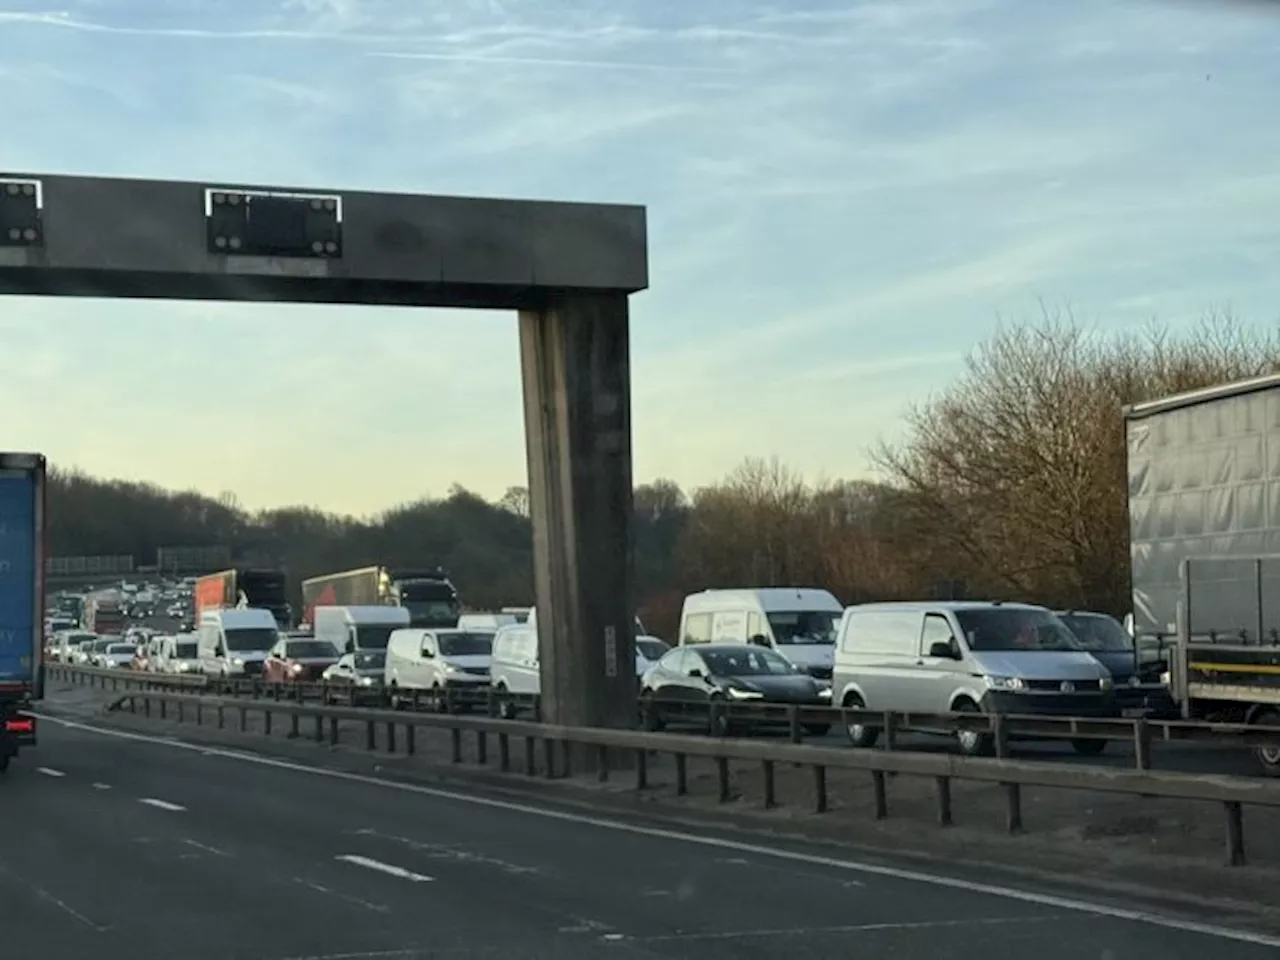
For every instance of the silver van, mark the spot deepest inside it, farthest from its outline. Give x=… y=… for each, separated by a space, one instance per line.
x=952 y=657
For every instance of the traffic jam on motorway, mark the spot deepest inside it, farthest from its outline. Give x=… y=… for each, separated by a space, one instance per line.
x=1200 y=643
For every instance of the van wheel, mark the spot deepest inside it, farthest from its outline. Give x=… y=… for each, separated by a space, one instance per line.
x=1269 y=757
x=396 y=702
x=859 y=735
x=439 y=703
x=971 y=742
x=506 y=707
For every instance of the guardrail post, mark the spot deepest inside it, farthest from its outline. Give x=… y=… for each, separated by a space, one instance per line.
x=164 y=710
x=602 y=771
x=146 y=707
x=819 y=788
x=244 y=719
x=221 y=717
x=530 y=763
x=1235 y=833
x=942 y=786
x=294 y=732
x=891 y=731
x=133 y=705
x=410 y=739
x=722 y=778
x=770 y=797
x=682 y=774
x=391 y=736
x=566 y=760
x=1142 y=744
x=333 y=731
x=491 y=702
x=549 y=752
x=455 y=735
x=482 y=748
x=370 y=736
x=504 y=753
x=999 y=736
x=793 y=723
x=880 y=794
x=199 y=714
x=642 y=769
x=266 y=723
x=1013 y=806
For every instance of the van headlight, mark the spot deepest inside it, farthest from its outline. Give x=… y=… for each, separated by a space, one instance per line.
x=1165 y=678
x=1013 y=684
x=364 y=681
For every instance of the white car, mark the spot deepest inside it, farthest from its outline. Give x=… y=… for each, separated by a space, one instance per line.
x=118 y=656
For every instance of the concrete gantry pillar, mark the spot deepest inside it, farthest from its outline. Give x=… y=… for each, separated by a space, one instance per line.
x=577 y=404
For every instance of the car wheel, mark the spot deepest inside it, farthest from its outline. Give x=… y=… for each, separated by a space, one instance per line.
x=717 y=717
x=1088 y=748
x=650 y=714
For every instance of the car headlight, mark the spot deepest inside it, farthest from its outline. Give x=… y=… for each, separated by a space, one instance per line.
x=1105 y=683
x=365 y=681
x=736 y=693
x=824 y=693
x=1015 y=684
x=1165 y=678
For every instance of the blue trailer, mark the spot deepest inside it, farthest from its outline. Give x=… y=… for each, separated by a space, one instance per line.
x=22 y=553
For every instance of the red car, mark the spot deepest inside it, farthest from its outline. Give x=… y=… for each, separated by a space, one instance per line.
x=294 y=660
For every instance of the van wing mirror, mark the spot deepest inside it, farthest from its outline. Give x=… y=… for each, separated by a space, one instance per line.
x=943 y=650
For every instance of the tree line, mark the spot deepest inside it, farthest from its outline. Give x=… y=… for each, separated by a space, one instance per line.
x=1009 y=483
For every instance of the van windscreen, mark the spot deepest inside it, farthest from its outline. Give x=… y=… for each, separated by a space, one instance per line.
x=1005 y=628
x=800 y=627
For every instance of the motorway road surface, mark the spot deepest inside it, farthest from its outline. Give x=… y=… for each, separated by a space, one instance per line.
x=119 y=846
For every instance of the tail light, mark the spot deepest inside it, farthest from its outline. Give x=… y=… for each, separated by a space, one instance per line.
x=19 y=725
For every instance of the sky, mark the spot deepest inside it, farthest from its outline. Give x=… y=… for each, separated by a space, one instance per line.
x=843 y=197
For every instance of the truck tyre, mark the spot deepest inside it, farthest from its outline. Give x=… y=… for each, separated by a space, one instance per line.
x=1268 y=757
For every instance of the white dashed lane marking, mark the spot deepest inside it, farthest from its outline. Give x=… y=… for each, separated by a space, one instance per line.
x=161 y=804
x=386 y=868
x=50 y=772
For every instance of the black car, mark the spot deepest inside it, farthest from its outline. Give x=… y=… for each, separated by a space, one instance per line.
x=688 y=679
x=1138 y=691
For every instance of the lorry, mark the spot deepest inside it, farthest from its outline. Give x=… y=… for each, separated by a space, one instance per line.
x=428 y=594
x=242 y=587
x=1204 y=541
x=104 y=613
x=22 y=555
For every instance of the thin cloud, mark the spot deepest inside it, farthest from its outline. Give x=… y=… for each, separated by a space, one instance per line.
x=549 y=62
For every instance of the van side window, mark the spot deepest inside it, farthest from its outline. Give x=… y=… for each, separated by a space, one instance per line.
x=755 y=626
x=883 y=631
x=697 y=628
x=936 y=630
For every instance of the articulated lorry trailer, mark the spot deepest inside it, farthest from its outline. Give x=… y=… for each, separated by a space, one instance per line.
x=22 y=554
x=428 y=594
x=243 y=587
x=1204 y=536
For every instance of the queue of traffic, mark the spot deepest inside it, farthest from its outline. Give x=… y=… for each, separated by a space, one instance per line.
x=765 y=646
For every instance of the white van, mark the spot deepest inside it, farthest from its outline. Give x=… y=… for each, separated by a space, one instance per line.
x=358 y=628
x=798 y=622
x=486 y=622
x=233 y=643
x=957 y=657
x=437 y=661
x=515 y=666
x=176 y=654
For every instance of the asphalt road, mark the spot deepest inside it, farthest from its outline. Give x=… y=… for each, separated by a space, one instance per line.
x=127 y=847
